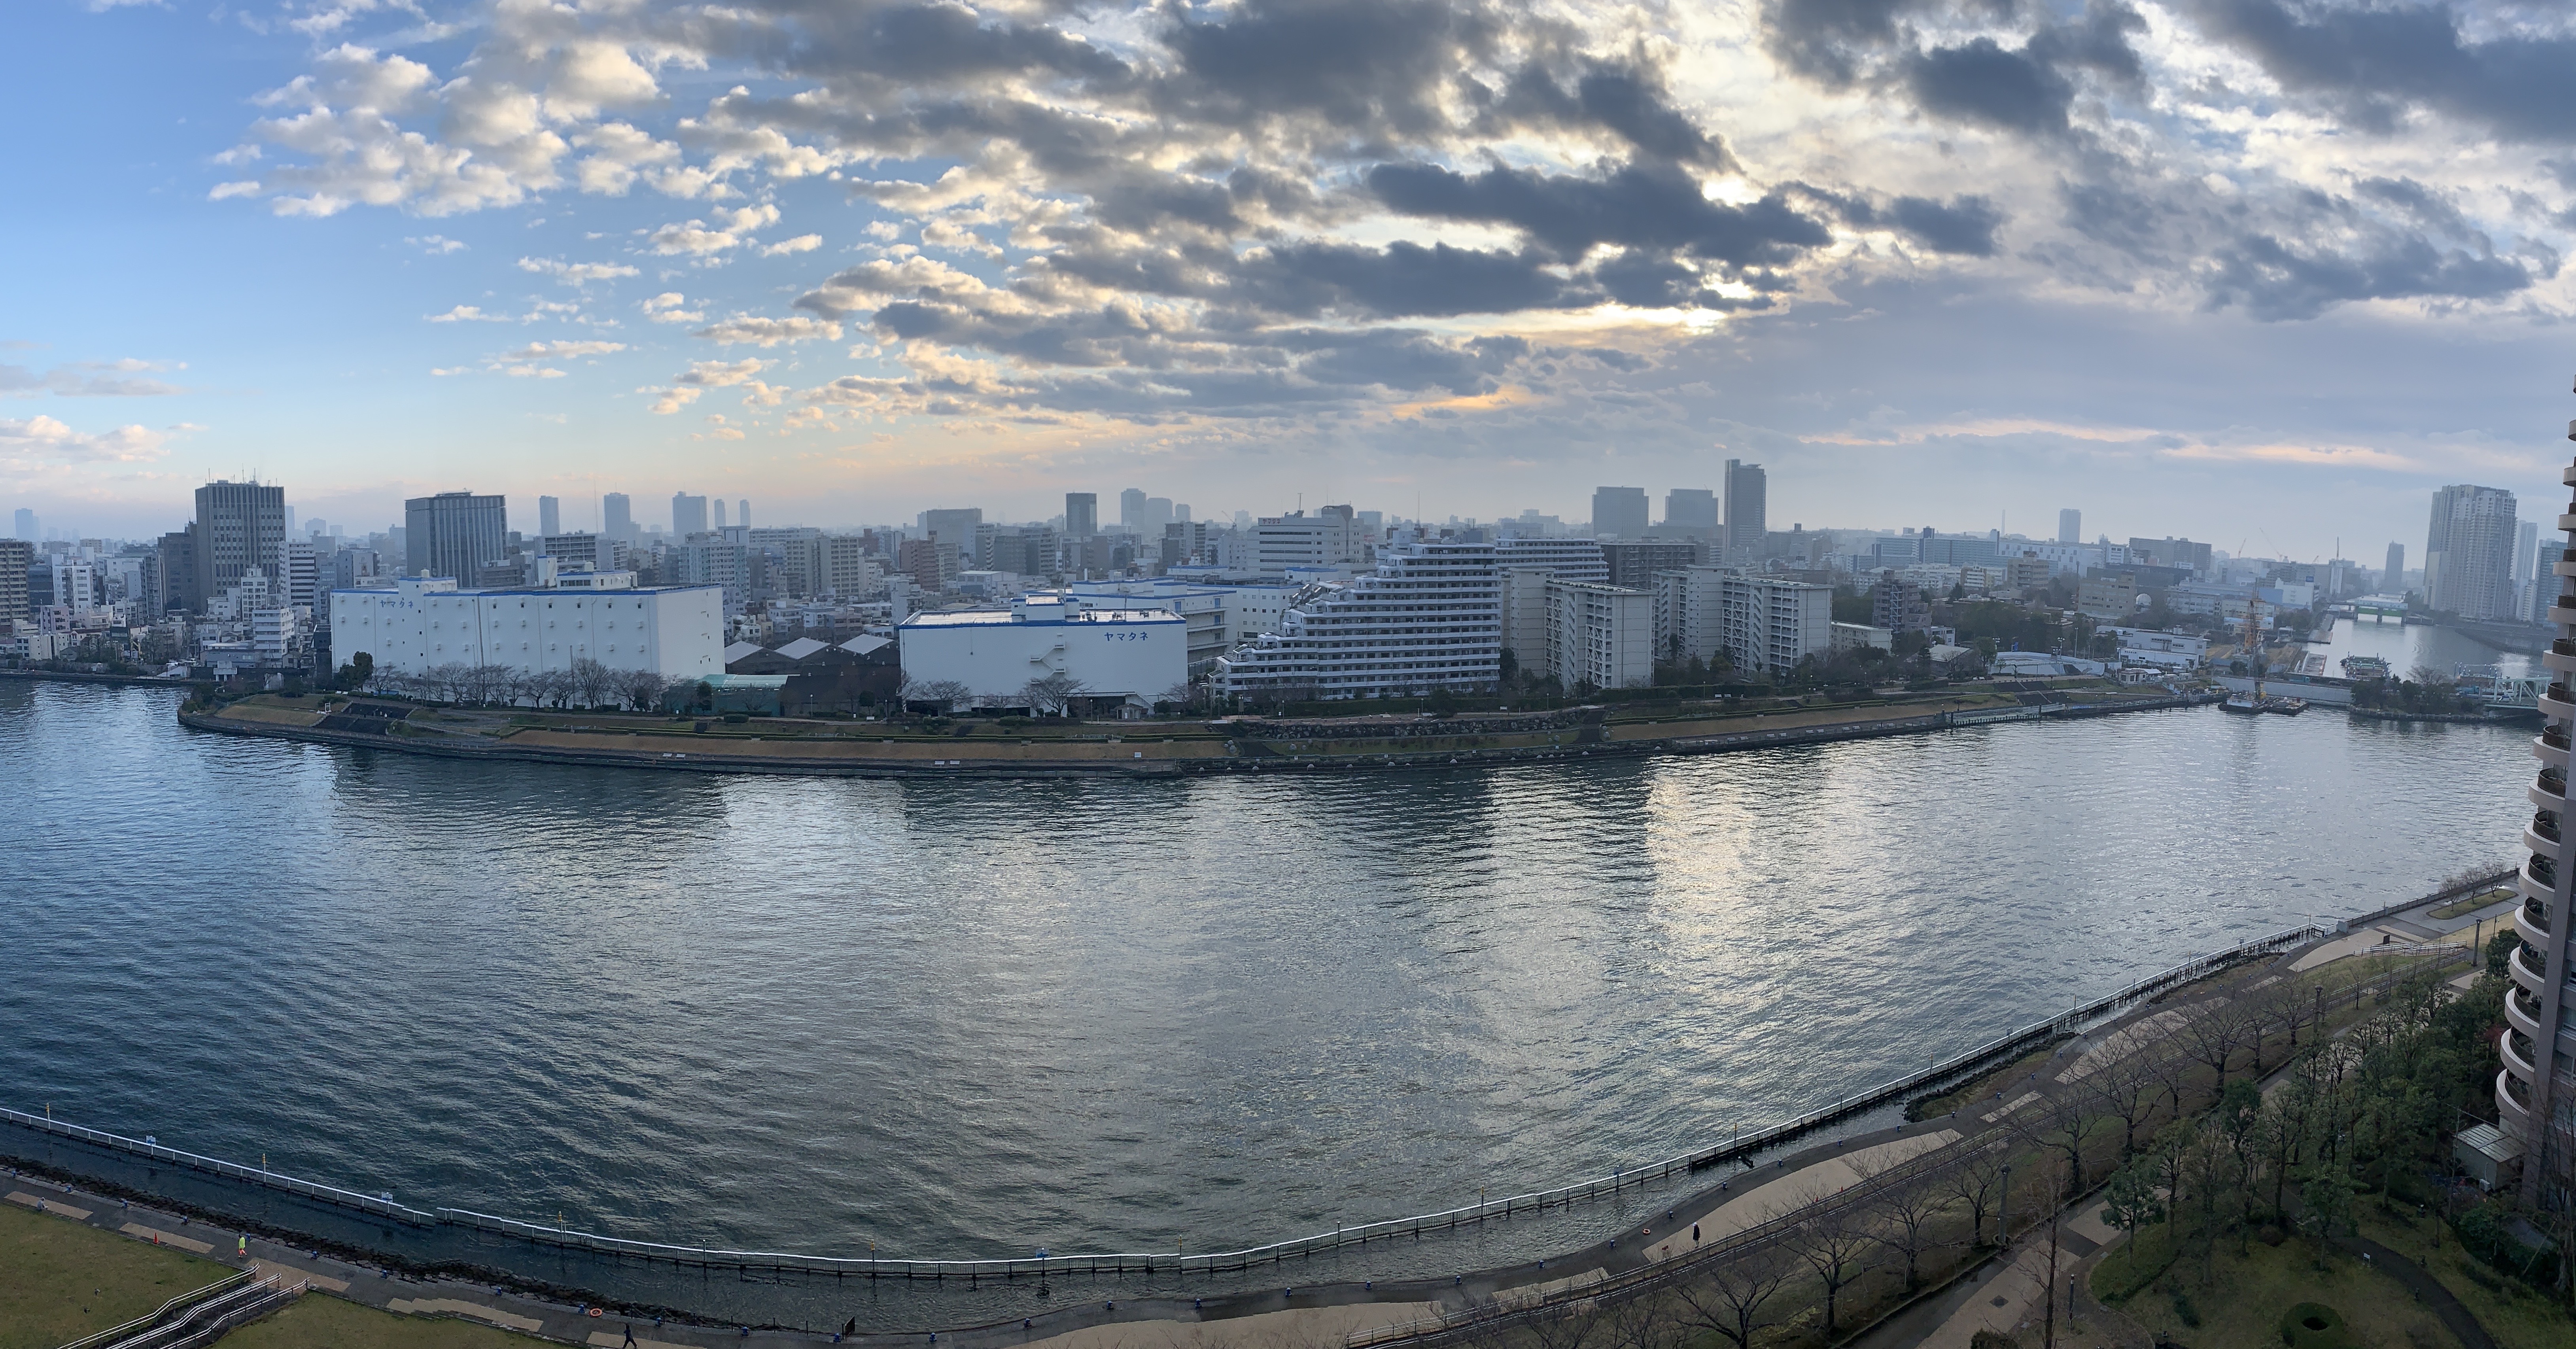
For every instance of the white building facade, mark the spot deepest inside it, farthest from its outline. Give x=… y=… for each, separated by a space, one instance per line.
x=1759 y=622
x=421 y=623
x=1600 y=636
x=1137 y=656
x=1428 y=618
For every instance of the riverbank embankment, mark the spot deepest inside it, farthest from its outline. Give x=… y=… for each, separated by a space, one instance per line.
x=817 y=747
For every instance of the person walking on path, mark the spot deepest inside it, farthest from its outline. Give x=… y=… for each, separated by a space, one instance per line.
x=630 y=1336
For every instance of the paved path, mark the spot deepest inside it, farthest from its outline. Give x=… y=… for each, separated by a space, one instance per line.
x=2456 y=1317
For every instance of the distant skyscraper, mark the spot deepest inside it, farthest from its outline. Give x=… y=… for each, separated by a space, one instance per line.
x=719 y=509
x=2393 y=580
x=16 y=556
x=453 y=534
x=1691 y=509
x=239 y=525
x=743 y=510
x=617 y=517
x=26 y=526
x=956 y=529
x=1081 y=514
x=1131 y=508
x=2070 y=526
x=549 y=516
x=1747 y=512
x=2468 y=552
x=1619 y=512
x=688 y=515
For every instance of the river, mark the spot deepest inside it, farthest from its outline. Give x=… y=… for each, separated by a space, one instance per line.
x=965 y=1019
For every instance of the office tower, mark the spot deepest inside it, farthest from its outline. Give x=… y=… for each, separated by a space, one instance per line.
x=688 y=515
x=742 y=510
x=2542 y=593
x=26 y=527
x=1619 y=512
x=2393 y=580
x=1081 y=514
x=617 y=517
x=2070 y=526
x=1131 y=509
x=1691 y=510
x=719 y=509
x=16 y=556
x=2468 y=552
x=1181 y=513
x=549 y=516
x=239 y=525
x=1747 y=514
x=957 y=528
x=1158 y=513
x=176 y=559
x=299 y=572
x=453 y=534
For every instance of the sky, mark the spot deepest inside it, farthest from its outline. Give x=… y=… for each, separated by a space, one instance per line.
x=2257 y=272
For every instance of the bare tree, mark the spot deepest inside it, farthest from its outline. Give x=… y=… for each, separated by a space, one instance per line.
x=642 y=689
x=1976 y=1179
x=942 y=694
x=2210 y=1038
x=2055 y=1122
x=1910 y=1205
x=1729 y=1298
x=1835 y=1242
x=1052 y=693
x=1645 y=1321
x=1568 y=1326
x=589 y=681
x=2127 y=1089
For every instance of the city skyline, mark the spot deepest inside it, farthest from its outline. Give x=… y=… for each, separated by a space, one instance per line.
x=382 y=252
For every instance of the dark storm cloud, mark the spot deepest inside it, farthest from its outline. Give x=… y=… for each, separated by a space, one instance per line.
x=2276 y=280
x=1634 y=205
x=1964 y=225
x=922 y=43
x=1618 y=98
x=1364 y=67
x=1983 y=81
x=2372 y=62
x=2026 y=87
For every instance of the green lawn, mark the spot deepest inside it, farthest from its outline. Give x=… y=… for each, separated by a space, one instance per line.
x=61 y=1281
x=320 y=1321
x=2241 y=1305
x=2513 y=1314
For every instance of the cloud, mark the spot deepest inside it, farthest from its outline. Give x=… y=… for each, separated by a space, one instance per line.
x=718 y=374
x=743 y=330
x=732 y=229
x=43 y=438
x=466 y=313
x=667 y=307
x=2373 y=64
x=575 y=273
x=671 y=400
x=436 y=244
x=560 y=351
x=803 y=243
x=92 y=379
x=531 y=372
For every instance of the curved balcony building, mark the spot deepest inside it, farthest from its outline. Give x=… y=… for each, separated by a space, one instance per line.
x=2535 y=1084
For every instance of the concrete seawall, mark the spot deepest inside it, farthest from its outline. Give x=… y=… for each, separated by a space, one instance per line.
x=1140 y=753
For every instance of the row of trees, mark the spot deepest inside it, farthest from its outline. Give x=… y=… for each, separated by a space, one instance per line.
x=2170 y=1112
x=587 y=683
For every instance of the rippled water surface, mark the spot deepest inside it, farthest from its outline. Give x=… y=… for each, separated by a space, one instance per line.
x=963 y=1019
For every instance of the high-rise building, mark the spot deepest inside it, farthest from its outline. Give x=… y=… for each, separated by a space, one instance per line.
x=16 y=556
x=688 y=515
x=549 y=516
x=719 y=508
x=1081 y=514
x=2392 y=580
x=1131 y=510
x=1598 y=636
x=1618 y=512
x=1563 y=559
x=1429 y=618
x=742 y=509
x=1691 y=510
x=1632 y=565
x=2535 y=1092
x=299 y=572
x=2070 y=526
x=959 y=528
x=1748 y=513
x=26 y=526
x=2468 y=552
x=2526 y=542
x=2541 y=591
x=1328 y=538
x=239 y=525
x=454 y=534
x=178 y=585
x=617 y=518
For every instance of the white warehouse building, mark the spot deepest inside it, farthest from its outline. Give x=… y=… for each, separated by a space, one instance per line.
x=419 y=623
x=1134 y=656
